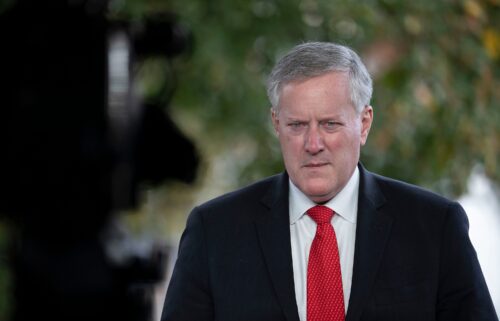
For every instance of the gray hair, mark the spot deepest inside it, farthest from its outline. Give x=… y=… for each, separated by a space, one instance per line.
x=313 y=59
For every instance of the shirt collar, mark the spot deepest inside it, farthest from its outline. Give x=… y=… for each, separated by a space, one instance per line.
x=345 y=203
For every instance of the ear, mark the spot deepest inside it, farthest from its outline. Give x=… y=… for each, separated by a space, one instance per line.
x=274 y=117
x=366 y=123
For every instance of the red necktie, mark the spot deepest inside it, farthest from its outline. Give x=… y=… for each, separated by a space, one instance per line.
x=325 y=296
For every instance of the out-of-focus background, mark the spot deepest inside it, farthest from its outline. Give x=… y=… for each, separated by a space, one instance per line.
x=436 y=72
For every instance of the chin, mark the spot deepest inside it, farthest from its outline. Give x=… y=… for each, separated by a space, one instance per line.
x=318 y=194
x=320 y=199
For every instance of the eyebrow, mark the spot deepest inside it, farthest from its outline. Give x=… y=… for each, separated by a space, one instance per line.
x=323 y=118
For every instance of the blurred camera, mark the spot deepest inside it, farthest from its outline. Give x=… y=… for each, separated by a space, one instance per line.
x=77 y=140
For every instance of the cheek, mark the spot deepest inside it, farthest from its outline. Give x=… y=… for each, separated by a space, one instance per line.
x=291 y=147
x=290 y=141
x=344 y=146
x=337 y=143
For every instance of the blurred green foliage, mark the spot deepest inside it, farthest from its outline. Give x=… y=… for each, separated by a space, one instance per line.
x=435 y=64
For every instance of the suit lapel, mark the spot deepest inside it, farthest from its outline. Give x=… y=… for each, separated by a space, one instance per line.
x=273 y=230
x=372 y=233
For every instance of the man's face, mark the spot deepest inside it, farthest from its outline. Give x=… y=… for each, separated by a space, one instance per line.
x=320 y=133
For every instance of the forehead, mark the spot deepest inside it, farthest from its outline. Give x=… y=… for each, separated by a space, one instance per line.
x=331 y=89
x=335 y=80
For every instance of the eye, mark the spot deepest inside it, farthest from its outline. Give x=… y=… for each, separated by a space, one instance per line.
x=330 y=124
x=296 y=125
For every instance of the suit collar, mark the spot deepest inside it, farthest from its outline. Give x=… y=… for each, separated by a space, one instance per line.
x=278 y=191
x=273 y=230
x=372 y=233
x=369 y=188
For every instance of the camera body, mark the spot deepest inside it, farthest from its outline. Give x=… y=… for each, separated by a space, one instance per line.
x=77 y=141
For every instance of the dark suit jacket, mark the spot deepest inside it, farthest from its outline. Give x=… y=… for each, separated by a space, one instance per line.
x=413 y=258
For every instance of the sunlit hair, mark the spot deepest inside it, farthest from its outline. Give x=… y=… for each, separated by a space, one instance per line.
x=313 y=59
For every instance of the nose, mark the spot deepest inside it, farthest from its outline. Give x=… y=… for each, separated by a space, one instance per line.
x=314 y=141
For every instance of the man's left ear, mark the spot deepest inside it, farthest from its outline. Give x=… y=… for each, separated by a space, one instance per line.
x=366 y=123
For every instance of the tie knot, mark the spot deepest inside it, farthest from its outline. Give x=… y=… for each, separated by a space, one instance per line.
x=320 y=214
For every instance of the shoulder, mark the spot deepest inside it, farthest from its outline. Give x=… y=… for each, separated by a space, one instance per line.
x=405 y=192
x=418 y=215
x=403 y=199
x=244 y=201
x=250 y=193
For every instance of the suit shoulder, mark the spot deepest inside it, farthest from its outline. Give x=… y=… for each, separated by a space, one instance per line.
x=249 y=194
x=393 y=188
x=418 y=205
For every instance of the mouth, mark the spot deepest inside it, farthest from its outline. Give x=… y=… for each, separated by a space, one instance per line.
x=315 y=165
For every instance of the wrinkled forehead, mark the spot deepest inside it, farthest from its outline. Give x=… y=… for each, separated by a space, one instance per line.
x=298 y=79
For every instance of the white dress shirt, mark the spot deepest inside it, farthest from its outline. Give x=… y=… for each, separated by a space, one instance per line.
x=303 y=229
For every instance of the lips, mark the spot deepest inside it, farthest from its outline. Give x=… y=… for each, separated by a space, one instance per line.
x=315 y=165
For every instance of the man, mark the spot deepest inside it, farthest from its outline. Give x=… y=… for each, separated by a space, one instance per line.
x=269 y=252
